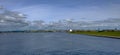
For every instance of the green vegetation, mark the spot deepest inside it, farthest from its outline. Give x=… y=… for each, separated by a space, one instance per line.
x=103 y=33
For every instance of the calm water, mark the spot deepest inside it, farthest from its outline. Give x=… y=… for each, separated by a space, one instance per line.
x=57 y=44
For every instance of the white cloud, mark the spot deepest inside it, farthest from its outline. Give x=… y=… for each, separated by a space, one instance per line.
x=11 y=20
x=47 y=12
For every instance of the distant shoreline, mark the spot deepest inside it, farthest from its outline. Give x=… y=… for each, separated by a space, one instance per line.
x=33 y=31
x=104 y=33
x=115 y=37
x=108 y=34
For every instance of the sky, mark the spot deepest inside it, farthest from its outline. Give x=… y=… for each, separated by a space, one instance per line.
x=51 y=12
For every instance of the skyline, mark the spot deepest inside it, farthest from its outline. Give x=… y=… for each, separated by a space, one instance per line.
x=61 y=14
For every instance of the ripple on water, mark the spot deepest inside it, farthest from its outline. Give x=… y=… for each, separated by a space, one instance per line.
x=76 y=52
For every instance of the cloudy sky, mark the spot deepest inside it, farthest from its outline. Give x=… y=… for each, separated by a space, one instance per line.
x=76 y=13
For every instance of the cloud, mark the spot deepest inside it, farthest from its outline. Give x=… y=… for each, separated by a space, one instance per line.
x=11 y=20
x=72 y=24
x=51 y=17
x=49 y=13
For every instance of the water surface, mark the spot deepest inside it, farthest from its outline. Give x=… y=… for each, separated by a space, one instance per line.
x=57 y=44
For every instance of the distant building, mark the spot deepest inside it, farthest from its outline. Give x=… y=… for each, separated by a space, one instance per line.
x=70 y=30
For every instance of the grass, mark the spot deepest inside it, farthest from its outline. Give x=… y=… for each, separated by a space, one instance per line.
x=112 y=34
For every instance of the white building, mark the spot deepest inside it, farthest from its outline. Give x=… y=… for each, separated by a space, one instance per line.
x=70 y=30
